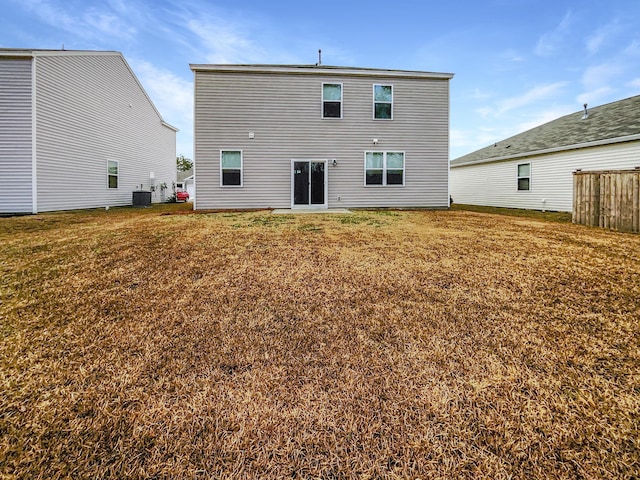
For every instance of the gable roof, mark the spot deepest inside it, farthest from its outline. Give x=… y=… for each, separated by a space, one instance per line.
x=606 y=124
x=183 y=175
x=35 y=52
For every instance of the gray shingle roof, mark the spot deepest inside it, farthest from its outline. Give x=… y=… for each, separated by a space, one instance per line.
x=186 y=174
x=606 y=124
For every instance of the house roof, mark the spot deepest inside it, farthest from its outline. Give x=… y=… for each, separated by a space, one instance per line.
x=183 y=175
x=606 y=124
x=35 y=52
x=316 y=70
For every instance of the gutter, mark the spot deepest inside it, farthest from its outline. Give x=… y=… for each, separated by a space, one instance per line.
x=534 y=153
x=317 y=69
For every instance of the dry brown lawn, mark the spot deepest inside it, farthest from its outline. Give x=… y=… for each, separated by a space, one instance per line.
x=158 y=343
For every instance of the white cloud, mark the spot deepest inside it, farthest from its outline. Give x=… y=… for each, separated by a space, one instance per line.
x=173 y=97
x=470 y=140
x=475 y=138
x=106 y=23
x=602 y=36
x=633 y=48
x=599 y=75
x=545 y=116
x=479 y=94
x=594 y=97
x=548 y=42
x=536 y=94
x=635 y=83
x=49 y=14
x=595 y=41
x=511 y=55
x=85 y=24
x=234 y=36
x=484 y=111
x=224 y=42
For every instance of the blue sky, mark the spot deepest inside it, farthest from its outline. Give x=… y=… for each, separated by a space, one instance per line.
x=517 y=63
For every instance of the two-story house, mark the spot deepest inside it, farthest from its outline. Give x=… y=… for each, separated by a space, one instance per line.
x=278 y=136
x=78 y=130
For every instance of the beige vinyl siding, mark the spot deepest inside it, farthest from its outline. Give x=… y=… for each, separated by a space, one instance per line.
x=15 y=136
x=495 y=184
x=284 y=113
x=90 y=109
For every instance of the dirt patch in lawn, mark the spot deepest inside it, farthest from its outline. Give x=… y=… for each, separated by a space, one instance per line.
x=373 y=345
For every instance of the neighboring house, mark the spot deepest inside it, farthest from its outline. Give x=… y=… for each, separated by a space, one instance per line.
x=186 y=182
x=534 y=170
x=77 y=130
x=287 y=136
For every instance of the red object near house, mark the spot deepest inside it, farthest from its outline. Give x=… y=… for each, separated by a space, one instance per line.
x=182 y=196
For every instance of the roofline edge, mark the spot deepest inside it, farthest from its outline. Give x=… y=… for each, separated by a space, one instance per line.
x=316 y=69
x=535 y=153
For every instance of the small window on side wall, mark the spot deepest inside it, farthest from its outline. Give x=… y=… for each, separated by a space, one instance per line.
x=112 y=173
x=524 y=177
x=383 y=102
x=331 y=100
x=231 y=168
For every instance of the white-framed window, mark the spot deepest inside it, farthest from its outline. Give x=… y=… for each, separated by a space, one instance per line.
x=524 y=177
x=383 y=102
x=331 y=100
x=231 y=168
x=384 y=168
x=113 y=170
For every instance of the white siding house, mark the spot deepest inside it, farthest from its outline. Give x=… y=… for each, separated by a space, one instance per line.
x=320 y=137
x=534 y=170
x=77 y=130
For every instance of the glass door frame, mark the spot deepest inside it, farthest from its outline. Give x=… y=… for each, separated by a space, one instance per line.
x=310 y=206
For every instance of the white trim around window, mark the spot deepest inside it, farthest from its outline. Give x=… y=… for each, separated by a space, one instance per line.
x=382 y=102
x=113 y=174
x=231 y=168
x=331 y=105
x=523 y=171
x=384 y=169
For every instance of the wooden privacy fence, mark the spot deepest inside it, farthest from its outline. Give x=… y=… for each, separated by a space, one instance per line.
x=608 y=199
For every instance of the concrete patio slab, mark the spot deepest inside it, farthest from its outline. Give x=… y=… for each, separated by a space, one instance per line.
x=295 y=211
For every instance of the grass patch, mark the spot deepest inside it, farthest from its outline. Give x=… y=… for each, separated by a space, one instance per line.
x=156 y=343
x=561 y=217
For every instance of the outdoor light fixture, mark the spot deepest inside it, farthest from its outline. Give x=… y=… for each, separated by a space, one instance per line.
x=375 y=141
x=334 y=162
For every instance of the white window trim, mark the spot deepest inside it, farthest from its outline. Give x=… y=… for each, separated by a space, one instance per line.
x=373 y=106
x=518 y=177
x=384 y=169
x=222 y=150
x=322 y=101
x=117 y=175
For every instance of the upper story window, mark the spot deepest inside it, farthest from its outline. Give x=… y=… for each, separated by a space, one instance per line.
x=112 y=173
x=384 y=168
x=524 y=177
x=331 y=100
x=231 y=168
x=383 y=102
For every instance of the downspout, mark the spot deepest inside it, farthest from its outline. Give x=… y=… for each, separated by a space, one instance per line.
x=34 y=156
x=448 y=144
x=195 y=176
